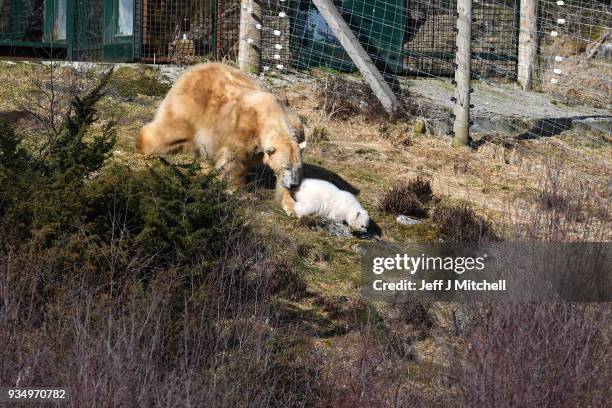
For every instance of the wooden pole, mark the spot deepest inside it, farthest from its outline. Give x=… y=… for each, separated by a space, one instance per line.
x=359 y=56
x=463 y=72
x=528 y=42
x=249 y=52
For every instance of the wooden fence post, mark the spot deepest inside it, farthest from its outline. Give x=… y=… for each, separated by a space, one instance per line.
x=463 y=71
x=528 y=42
x=249 y=51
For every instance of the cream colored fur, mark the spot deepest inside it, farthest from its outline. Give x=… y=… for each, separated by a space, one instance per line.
x=323 y=198
x=225 y=117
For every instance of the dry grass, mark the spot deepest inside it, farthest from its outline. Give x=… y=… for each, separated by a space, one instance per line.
x=360 y=352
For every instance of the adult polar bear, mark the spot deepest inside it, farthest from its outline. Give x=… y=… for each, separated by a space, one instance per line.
x=224 y=116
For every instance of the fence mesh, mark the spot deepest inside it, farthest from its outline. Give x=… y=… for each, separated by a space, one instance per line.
x=88 y=42
x=22 y=20
x=402 y=37
x=575 y=53
x=178 y=31
x=417 y=38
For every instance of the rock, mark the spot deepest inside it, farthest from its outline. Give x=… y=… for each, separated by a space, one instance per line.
x=359 y=249
x=337 y=229
x=405 y=220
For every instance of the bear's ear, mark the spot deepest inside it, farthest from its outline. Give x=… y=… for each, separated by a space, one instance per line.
x=303 y=145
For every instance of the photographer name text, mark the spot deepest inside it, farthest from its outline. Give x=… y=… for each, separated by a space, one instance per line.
x=439 y=285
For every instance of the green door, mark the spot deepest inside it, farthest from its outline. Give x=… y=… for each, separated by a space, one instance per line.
x=119 y=28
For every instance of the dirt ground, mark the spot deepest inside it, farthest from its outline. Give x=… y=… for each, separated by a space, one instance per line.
x=499 y=179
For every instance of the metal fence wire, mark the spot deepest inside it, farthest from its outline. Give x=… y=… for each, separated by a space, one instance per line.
x=402 y=36
x=178 y=31
x=88 y=43
x=164 y=31
x=22 y=20
x=407 y=36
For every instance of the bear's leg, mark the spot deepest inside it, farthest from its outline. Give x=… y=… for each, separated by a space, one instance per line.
x=234 y=168
x=285 y=198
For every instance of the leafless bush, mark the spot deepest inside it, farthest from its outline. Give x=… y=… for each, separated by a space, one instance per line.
x=319 y=134
x=413 y=313
x=47 y=100
x=410 y=198
x=568 y=208
x=558 y=195
x=375 y=371
x=116 y=340
x=461 y=224
x=349 y=313
x=534 y=354
x=334 y=98
x=398 y=134
x=367 y=377
x=342 y=98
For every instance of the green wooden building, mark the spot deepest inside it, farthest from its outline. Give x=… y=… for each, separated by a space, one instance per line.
x=109 y=30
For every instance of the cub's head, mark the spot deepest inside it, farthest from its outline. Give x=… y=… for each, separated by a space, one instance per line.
x=284 y=156
x=358 y=218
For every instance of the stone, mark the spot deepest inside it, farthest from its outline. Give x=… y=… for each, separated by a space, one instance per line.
x=405 y=220
x=338 y=229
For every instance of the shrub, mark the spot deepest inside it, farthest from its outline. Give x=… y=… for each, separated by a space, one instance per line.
x=343 y=98
x=410 y=198
x=413 y=313
x=562 y=196
x=461 y=224
x=319 y=134
x=139 y=287
x=533 y=354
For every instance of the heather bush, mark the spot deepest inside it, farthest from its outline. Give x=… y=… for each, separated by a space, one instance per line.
x=409 y=198
x=461 y=224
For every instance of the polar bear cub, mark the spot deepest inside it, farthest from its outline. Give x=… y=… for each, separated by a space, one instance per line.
x=320 y=197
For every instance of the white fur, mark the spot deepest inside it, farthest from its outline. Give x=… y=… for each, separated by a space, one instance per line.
x=325 y=199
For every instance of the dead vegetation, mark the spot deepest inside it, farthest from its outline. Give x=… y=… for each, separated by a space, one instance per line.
x=462 y=225
x=409 y=198
x=136 y=305
x=535 y=354
x=584 y=71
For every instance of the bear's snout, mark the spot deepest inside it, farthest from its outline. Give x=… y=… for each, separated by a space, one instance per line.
x=292 y=177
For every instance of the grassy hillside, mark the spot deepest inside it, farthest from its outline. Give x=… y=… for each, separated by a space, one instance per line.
x=137 y=281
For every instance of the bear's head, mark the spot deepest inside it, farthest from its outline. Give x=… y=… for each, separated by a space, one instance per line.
x=283 y=155
x=280 y=136
x=358 y=218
